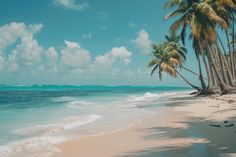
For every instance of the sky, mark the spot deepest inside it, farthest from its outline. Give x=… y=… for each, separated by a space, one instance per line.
x=83 y=42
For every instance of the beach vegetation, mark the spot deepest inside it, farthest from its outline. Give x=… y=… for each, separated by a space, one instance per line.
x=206 y=23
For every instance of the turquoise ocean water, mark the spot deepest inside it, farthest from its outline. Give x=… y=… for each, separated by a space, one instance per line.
x=33 y=118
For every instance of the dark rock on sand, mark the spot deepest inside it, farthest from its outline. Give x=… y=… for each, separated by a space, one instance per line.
x=230 y=101
x=216 y=125
x=229 y=125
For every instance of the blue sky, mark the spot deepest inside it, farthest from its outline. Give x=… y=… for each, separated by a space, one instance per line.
x=85 y=42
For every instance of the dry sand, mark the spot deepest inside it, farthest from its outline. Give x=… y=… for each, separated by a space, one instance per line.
x=195 y=128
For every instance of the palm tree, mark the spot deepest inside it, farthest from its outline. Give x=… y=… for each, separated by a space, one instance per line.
x=226 y=10
x=201 y=18
x=168 y=60
x=173 y=39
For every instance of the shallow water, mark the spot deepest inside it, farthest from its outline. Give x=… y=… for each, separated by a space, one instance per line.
x=33 y=118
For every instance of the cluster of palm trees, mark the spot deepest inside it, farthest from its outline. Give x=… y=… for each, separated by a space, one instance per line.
x=205 y=23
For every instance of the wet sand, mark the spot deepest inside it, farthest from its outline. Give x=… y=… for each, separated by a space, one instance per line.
x=191 y=127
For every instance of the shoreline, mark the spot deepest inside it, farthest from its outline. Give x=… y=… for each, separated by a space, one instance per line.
x=175 y=128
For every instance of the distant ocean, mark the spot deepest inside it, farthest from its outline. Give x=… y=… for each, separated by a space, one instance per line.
x=33 y=118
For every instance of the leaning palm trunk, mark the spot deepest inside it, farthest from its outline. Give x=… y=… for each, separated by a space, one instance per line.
x=194 y=73
x=190 y=84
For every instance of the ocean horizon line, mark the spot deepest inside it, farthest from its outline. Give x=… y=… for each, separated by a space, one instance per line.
x=76 y=85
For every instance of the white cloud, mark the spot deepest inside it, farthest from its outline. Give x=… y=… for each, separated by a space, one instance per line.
x=51 y=60
x=71 y=4
x=11 y=32
x=143 y=42
x=27 y=50
x=117 y=56
x=20 y=52
x=23 y=58
x=35 y=28
x=120 y=52
x=12 y=63
x=75 y=57
x=51 y=55
x=2 y=62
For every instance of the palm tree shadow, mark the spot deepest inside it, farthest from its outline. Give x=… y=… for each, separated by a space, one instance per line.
x=220 y=141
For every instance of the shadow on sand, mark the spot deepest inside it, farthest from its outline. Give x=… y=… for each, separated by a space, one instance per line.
x=221 y=141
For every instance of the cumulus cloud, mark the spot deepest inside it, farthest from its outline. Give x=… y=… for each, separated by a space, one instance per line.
x=74 y=56
x=2 y=61
x=26 y=51
x=12 y=64
x=21 y=55
x=118 y=55
x=109 y=66
x=143 y=42
x=51 y=60
x=71 y=4
x=51 y=55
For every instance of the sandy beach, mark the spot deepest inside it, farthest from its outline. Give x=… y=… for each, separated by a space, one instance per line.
x=192 y=126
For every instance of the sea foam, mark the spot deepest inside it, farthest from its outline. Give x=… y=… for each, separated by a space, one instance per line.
x=33 y=147
x=77 y=103
x=64 y=124
x=43 y=137
x=147 y=98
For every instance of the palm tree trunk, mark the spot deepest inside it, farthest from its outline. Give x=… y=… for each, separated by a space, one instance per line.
x=189 y=70
x=233 y=53
x=230 y=55
x=211 y=88
x=210 y=82
x=196 y=48
x=203 y=84
x=190 y=84
x=227 y=71
x=222 y=45
x=225 y=88
x=216 y=50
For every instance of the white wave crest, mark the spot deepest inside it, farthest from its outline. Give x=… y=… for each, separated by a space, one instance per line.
x=63 y=99
x=34 y=147
x=135 y=101
x=63 y=125
x=43 y=137
x=76 y=103
x=150 y=96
